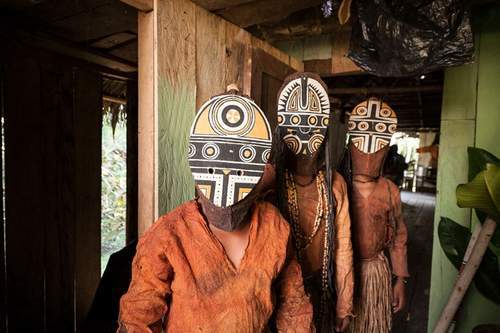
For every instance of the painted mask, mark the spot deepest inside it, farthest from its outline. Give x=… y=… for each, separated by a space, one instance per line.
x=303 y=113
x=371 y=125
x=230 y=143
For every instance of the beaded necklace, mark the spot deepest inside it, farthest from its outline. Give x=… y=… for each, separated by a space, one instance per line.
x=302 y=241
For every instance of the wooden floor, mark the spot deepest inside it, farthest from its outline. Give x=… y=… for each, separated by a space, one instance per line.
x=418 y=209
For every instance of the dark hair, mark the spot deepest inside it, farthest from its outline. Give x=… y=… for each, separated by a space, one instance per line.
x=327 y=159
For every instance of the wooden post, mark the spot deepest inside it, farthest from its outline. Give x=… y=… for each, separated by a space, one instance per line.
x=132 y=160
x=147 y=157
x=465 y=277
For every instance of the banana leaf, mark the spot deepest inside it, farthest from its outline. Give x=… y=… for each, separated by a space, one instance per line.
x=478 y=159
x=476 y=194
x=492 y=179
x=454 y=239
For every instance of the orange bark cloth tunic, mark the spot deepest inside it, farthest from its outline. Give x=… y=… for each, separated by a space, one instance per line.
x=372 y=229
x=183 y=281
x=343 y=253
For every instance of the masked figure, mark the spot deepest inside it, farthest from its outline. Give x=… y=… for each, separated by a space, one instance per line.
x=377 y=221
x=221 y=262
x=313 y=197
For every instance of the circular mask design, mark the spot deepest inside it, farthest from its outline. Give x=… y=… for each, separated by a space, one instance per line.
x=230 y=142
x=303 y=114
x=371 y=125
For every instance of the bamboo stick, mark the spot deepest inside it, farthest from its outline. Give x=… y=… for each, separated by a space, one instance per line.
x=465 y=277
x=468 y=251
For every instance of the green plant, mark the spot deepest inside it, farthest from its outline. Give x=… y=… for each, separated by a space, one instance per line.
x=482 y=193
x=113 y=187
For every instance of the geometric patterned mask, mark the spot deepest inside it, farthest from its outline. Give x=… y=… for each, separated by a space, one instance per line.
x=230 y=143
x=371 y=125
x=303 y=113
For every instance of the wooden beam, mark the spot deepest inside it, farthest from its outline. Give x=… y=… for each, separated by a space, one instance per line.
x=383 y=90
x=142 y=5
x=301 y=24
x=212 y=5
x=72 y=49
x=321 y=66
x=114 y=99
x=262 y=11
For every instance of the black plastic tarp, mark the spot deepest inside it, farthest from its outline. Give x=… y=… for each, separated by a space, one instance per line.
x=410 y=37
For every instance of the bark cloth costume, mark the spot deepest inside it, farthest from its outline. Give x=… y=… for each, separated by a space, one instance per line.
x=313 y=197
x=377 y=221
x=183 y=279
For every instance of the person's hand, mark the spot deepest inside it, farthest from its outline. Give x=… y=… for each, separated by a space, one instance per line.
x=341 y=323
x=398 y=295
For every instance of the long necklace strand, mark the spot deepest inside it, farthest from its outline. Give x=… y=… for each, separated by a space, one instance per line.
x=301 y=239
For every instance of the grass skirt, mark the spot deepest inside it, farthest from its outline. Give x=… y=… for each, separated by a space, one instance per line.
x=372 y=304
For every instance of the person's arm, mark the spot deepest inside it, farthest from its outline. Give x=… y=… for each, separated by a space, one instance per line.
x=344 y=277
x=144 y=306
x=294 y=311
x=398 y=251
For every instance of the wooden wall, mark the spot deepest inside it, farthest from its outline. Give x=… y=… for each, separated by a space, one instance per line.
x=52 y=111
x=186 y=55
x=324 y=54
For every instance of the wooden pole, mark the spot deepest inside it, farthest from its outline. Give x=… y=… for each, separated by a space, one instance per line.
x=468 y=251
x=465 y=277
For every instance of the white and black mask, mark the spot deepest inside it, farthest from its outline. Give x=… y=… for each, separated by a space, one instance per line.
x=230 y=143
x=303 y=113
x=371 y=125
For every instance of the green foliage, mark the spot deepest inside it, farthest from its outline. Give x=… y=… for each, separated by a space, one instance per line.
x=476 y=194
x=478 y=162
x=454 y=239
x=113 y=187
x=483 y=194
x=176 y=111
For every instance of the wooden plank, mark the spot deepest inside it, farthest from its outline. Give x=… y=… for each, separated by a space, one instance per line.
x=238 y=56
x=3 y=291
x=142 y=5
x=321 y=66
x=87 y=135
x=267 y=75
x=146 y=168
x=176 y=99
x=210 y=55
x=58 y=200
x=132 y=160
x=341 y=64
x=261 y=11
x=303 y=24
x=297 y=64
x=219 y=4
x=24 y=188
x=266 y=47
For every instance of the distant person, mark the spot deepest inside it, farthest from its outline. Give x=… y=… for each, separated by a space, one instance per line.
x=395 y=166
x=433 y=149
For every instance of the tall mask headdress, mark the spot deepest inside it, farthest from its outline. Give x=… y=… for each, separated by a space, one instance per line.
x=230 y=142
x=303 y=113
x=371 y=125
